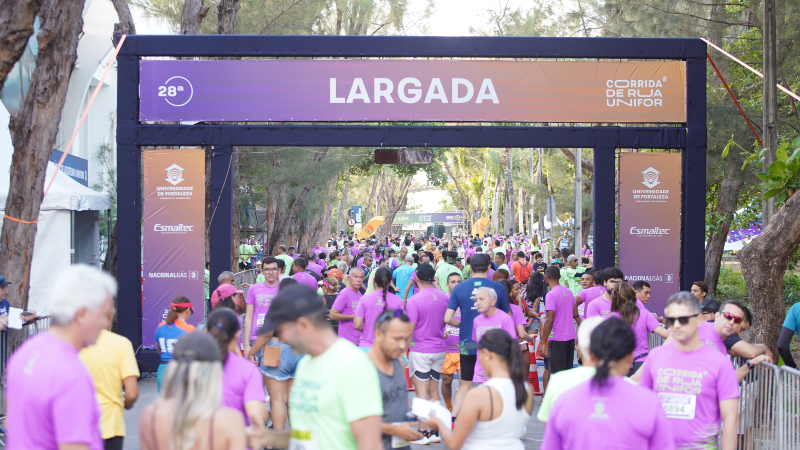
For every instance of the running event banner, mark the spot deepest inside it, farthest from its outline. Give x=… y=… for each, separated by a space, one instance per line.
x=451 y=217
x=173 y=247
x=415 y=90
x=650 y=223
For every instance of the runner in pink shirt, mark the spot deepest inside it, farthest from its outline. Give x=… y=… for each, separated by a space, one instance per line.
x=561 y=313
x=627 y=307
x=592 y=283
x=301 y=276
x=601 y=306
x=242 y=385
x=344 y=307
x=490 y=318
x=259 y=298
x=696 y=384
x=373 y=304
x=608 y=412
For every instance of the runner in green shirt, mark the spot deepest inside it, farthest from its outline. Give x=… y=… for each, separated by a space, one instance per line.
x=568 y=273
x=336 y=401
x=286 y=259
x=444 y=269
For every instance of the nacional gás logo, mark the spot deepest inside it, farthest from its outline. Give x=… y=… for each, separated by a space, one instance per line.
x=174 y=174
x=651 y=178
x=177 y=91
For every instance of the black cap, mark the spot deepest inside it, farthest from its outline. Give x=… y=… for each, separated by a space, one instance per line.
x=426 y=272
x=710 y=305
x=289 y=305
x=196 y=347
x=4 y=282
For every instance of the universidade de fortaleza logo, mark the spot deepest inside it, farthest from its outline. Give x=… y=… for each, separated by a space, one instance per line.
x=651 y=178
x=174 y=174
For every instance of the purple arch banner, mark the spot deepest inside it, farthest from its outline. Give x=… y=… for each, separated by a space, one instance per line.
x=413 y=90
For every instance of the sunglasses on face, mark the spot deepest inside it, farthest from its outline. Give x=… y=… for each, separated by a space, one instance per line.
x=683 y=320
x=734 y=318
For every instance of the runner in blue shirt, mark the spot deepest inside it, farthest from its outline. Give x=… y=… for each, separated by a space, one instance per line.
x=790 y=326
x=170 y=330
x=401 y=275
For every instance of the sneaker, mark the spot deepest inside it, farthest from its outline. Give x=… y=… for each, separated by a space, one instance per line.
x=424 y=440
x=434 y=437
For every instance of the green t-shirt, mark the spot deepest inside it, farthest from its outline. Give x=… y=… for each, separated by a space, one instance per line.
x=467 y=272
x=288 y=260
x=329 y=392
x=559 y=383
x=260 y=278
x=245 y=252
x=444 y=270
x=505 y=267
x=207 y=279
x=568 y=280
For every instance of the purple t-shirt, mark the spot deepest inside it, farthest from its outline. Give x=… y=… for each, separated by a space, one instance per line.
x=588 y=295
x=354 y=251
x=599 y=307
x=315 y=267
x=690 y=386
x=561 y=301
x=618 y=415
x=482 y=324
x=51 y=397
x=708 y=334
x=318 y=250
x=260 y=296
x=241 y=383
x=517 y=315
x=426 y=309
x=452 y=341
x=346 y=303
x=642 y=327
x=370 y=307
x=305 y=279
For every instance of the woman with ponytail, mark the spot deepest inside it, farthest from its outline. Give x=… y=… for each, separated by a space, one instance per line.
x=609 y=412
x=495 y=414
x=627 y=307
x=373 y=304
x=242 y=385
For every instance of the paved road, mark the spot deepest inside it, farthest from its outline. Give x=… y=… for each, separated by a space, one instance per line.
x=147 y=395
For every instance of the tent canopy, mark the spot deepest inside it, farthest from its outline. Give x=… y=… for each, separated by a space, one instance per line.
x=65 y=193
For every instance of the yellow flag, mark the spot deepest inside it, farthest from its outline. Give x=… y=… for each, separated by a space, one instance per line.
x=370 y=227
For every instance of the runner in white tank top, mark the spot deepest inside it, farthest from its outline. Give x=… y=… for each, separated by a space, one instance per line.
x=490 y=418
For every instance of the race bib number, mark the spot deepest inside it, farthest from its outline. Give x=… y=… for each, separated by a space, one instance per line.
x=678 y=406
x=303 y=440
x=399 y=443
x=260 y=319
x=453 y=331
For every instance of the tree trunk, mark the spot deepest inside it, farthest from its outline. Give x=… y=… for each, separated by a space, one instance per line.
x=394 y=204
x=194 y=11
x=340 y=214
x=763 y=266
x=16 y=26
x=33 y=134
x=464 y=199
x=125 y=24
x=226 y=16
x=236 y=207
x=368 y=211
x=379 y=198
x=520 y=214
x=509 y=201
x=731 y=184
x=496 y=204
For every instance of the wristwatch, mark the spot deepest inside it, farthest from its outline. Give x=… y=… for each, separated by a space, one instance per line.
x=748 y=364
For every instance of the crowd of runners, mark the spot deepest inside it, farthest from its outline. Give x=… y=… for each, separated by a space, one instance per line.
x=319 y=352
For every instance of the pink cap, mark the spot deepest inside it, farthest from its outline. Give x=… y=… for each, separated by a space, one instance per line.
x=224 y=290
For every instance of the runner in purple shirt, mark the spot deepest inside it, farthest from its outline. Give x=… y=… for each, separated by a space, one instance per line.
x=490 y=318
x=608 y=412
x=242 y=385
x=50 y=393
x=561 y=315
x=627 y=307
x=344 y=307
x=299 y=273
x=705 y=393
x=592 y=288
x=601 y=306
x=371 y=305
x=259 y=298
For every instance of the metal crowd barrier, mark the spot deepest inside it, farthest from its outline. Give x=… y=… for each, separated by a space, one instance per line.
x=245 y=277
x=34 y=327
x=654 y=340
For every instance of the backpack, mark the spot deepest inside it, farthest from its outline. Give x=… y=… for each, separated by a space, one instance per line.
x=522 y=273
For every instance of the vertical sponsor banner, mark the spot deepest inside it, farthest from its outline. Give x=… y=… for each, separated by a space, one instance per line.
x=174 y=220
x=650 y=222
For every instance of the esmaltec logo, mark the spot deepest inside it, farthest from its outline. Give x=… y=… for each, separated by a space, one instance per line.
x=172 y=229
x=649 y=231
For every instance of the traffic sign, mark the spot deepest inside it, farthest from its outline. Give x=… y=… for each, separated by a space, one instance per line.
x=351 y=222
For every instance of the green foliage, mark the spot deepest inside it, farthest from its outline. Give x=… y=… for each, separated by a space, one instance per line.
x=105 y=158
x=782 y=177
x=731 y=286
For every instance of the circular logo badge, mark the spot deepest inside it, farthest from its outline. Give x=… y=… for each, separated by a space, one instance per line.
x=351 y=222
x=177 y=91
